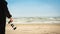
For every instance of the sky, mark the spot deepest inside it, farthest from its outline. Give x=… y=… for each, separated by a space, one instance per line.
x=34 y=8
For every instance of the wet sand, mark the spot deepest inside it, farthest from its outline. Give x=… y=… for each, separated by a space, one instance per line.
x=34 y=29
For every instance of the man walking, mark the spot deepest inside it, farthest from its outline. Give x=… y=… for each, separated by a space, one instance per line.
x=4 y=12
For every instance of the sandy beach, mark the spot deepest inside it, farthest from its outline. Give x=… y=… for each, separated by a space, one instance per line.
x=34 y=29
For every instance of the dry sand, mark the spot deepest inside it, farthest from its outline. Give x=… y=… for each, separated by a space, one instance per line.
x=34 y=29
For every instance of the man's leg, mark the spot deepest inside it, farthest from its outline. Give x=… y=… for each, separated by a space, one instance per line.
x=2 y=27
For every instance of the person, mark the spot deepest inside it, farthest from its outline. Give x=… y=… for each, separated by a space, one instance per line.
x=4 y=12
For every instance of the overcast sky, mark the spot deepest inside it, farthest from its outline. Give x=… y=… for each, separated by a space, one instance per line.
x=34 y=8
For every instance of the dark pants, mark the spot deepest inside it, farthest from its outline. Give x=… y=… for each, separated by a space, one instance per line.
x=2 y=25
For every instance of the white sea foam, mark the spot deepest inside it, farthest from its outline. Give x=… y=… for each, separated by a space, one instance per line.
x=35 y=20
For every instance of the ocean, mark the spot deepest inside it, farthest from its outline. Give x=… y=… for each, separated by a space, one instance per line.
x=36 y=20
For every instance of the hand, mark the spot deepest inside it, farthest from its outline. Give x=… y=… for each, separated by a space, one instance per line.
x=11 y=19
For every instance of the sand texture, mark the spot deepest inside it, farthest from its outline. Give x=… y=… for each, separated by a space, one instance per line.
x=34 y=29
